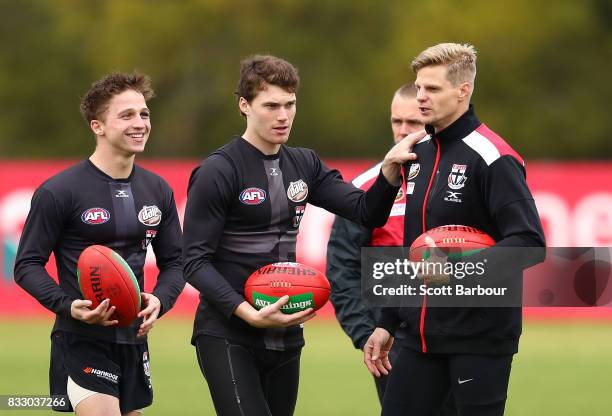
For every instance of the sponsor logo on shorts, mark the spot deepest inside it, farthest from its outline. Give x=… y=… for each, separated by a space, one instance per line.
x=95 y=216
x=252 y=196
x=457 y=178
x=102 y=374
x=150 y=215
x=297 y=191
x=415 y=168
x=147 y=367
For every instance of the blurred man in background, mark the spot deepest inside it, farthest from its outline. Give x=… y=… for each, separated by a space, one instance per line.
x=357 y=319
x=470 y=176
x=103 y=369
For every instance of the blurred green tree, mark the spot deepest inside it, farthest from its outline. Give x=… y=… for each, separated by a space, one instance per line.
x=542 y=71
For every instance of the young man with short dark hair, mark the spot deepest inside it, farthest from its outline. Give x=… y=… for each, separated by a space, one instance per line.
x=245 y=203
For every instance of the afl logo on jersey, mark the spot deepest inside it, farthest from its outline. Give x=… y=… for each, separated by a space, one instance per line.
x=150 y=215
x=252 y=196
x=297 y=191
x=95 y=216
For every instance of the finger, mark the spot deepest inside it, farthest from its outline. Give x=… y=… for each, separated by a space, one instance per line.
x=280 y=302
x=81 y=303
x=306 y=314
x=375 y=350
x=109 y=312
x=386 y=363
x=149 y=320
x=101 y=308
x=146 y=311
x=381 y=368
x=372 y=368
x=436 y=253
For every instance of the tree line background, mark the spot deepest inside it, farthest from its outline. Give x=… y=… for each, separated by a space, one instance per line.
x=543 y=78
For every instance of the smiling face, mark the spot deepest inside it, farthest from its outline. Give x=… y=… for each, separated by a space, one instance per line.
x=269 y=118
x=124 y=128
x=440 y=102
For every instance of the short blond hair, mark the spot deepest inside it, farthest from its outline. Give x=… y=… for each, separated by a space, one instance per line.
x=460 y=60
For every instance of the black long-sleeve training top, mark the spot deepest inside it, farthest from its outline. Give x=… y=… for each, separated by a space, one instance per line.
x=82 y=206
x=243 y=212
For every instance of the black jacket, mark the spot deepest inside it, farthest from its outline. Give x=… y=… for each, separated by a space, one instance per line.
x=467 y=175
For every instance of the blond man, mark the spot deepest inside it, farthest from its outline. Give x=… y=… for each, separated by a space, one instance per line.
x=468 y=175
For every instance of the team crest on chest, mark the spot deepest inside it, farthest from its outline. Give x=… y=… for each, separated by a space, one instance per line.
x=149 y=236
x=299 y=213
x=252 y=196
x=95 y=216
x=297 y=191
x=457 y=178
x=150 y=215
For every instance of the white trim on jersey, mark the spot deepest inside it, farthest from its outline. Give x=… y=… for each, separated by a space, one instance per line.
x=483 y=146
x=367 y=175
x=424 y=139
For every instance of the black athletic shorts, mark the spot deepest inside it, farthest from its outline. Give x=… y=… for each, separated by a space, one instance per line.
x=248 y=381
x=119 y=370
x=419 y=384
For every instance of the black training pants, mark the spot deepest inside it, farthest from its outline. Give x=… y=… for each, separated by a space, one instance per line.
x=247 y=381
x=419 y=384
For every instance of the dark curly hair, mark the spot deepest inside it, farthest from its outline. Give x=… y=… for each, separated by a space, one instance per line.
x=95 y=102
x=258 y=70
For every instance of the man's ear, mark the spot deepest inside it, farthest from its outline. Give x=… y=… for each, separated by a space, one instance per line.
x=97 y=127
x=243 y=104
x=465 y=91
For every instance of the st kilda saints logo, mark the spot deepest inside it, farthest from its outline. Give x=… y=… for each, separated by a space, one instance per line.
x=457 y=178
x=297 y=191
x=149 y=236
x=299 y=213
x=252 y=196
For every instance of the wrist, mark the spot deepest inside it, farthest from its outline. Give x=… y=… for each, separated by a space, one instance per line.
x=247 y=313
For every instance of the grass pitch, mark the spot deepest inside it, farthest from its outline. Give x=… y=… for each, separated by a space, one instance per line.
x=561 y=369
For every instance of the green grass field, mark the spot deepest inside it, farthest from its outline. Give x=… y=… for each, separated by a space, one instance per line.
x=561 y=369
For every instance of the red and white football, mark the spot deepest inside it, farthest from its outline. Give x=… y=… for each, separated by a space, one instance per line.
x=103 y=274
x=306 y=287
x=454 y=240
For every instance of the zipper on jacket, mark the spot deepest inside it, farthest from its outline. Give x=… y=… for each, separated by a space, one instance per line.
x=433 y=179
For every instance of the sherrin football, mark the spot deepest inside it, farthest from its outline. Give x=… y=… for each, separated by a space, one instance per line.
x=306 y=287
x=103 y=274
x=454 y=240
